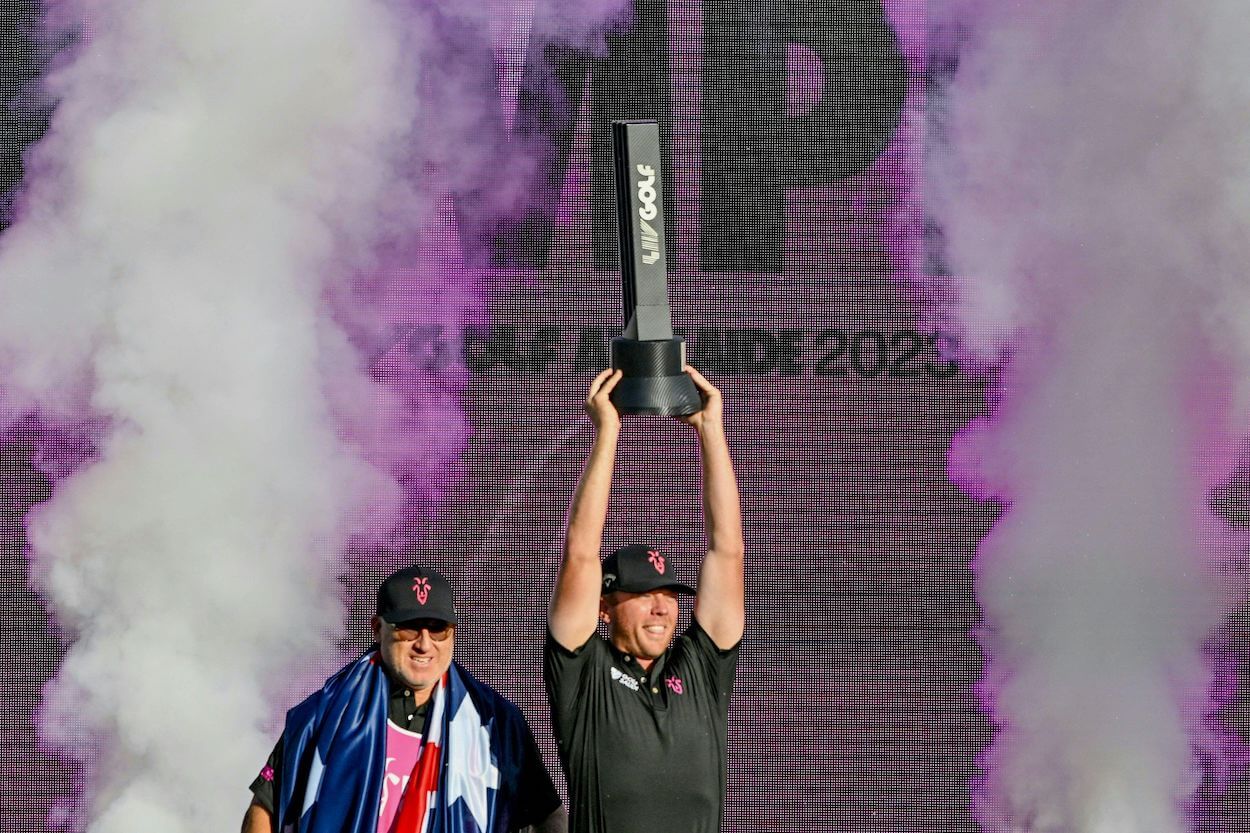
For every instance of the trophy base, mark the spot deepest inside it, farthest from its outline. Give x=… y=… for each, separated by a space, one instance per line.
x=652 y=380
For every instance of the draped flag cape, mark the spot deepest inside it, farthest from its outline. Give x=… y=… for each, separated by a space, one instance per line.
x=335 y=757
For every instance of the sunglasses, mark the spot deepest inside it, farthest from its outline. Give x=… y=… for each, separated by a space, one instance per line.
x=438 y=630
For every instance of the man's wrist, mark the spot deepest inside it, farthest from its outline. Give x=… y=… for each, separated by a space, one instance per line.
x=711 y=430
x=607 y=433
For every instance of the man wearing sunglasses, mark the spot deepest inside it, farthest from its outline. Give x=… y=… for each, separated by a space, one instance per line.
x=404 y=740
x=641 y=719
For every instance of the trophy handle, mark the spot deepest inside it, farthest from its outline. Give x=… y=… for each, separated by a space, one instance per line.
x=652 y=379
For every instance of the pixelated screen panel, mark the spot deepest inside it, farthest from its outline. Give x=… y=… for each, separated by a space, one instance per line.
x=854 y=708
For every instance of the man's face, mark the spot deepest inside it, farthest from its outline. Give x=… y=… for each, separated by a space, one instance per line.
x=641 y=624
x=418 y=653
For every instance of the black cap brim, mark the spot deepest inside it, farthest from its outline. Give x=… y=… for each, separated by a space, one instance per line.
x=398 y=617
x=676 y=586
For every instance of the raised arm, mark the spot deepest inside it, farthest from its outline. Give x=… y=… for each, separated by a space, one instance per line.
x=574 y=608
x=720 y=604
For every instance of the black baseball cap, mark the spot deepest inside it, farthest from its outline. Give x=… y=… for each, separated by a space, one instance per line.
x=639 y=568
x=416 y=592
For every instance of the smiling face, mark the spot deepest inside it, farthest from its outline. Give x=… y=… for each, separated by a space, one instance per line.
x=418 y=653
x=641 y=624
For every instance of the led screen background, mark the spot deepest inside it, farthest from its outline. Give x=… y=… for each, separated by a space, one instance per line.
x=791 y=129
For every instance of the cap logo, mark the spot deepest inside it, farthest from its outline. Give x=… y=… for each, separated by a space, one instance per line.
x=421 y=586
x=608 y=579
x=657 y=560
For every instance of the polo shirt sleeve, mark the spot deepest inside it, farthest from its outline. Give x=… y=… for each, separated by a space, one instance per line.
x=716 y=665
x=564 y=672
x=265 y=786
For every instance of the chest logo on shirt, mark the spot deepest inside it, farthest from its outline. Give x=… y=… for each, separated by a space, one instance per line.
x=624 y=679
x=657 y=560
x=421 y=587
x=391 y=779
x=674 y=684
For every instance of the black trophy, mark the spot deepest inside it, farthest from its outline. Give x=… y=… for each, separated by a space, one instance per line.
x=649 y=357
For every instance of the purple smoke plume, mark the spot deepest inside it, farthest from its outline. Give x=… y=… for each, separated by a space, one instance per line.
x=1086 y=172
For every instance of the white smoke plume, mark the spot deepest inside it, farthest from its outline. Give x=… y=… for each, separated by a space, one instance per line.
x=1090 y=171
x=230 y=196
x=212 y=168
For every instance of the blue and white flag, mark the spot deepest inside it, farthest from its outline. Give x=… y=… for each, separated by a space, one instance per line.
x=335 y=754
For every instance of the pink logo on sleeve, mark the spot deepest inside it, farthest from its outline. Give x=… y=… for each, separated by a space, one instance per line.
x=422 y=588
x=266 y=774
x=657 y=560
x=674 y=684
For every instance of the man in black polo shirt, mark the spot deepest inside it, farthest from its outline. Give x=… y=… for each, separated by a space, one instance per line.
x=642 y=725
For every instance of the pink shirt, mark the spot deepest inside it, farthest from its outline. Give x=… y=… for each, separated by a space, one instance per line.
x=403 y=748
